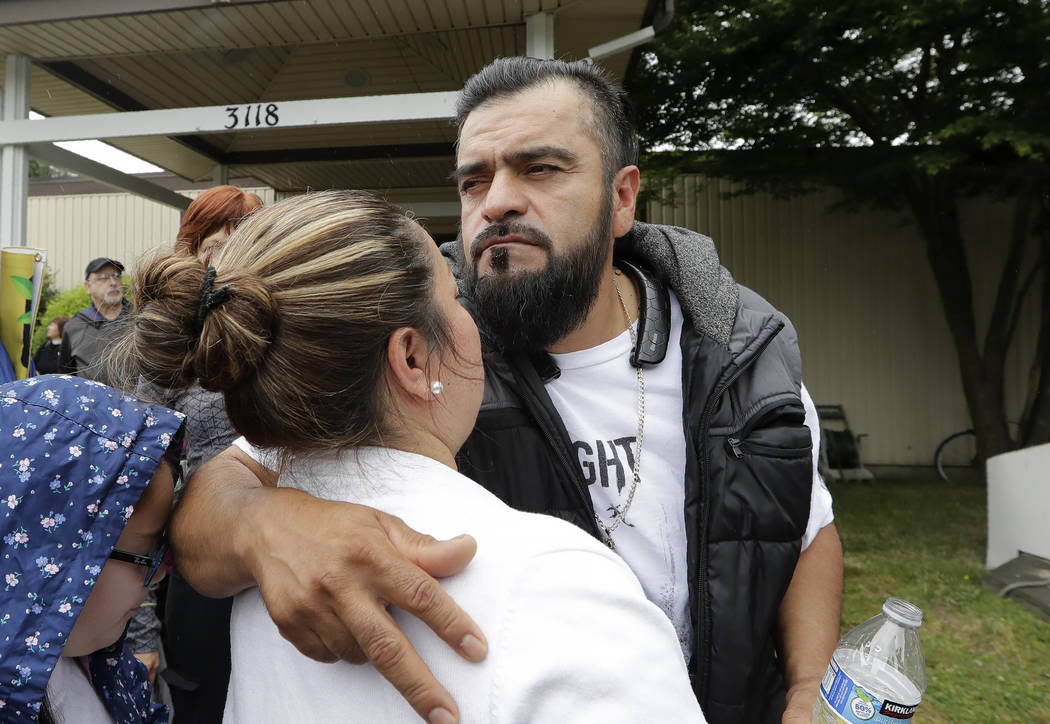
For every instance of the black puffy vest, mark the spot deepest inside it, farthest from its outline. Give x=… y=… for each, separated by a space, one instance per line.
x=748 y=477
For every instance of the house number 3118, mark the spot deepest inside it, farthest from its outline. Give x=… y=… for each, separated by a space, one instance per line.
x=252 y=115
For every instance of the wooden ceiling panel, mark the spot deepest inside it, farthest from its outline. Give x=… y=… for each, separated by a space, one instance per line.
x=216 y=28
x=153 y=33
x=456 y=12
x=262 y=24
x=385 y=20
x=400 y=174
x=342 y=19
x=51 y=96
x=309 y=16
x=180 y=80
x=170 y=155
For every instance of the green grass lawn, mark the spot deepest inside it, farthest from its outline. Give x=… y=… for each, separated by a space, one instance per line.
x=987 y=658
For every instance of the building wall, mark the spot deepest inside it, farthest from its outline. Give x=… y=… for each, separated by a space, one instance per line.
x=856 y=285
x=860 y=292
x=76 y=228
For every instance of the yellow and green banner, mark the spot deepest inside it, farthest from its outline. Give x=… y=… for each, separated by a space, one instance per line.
x=21 y=276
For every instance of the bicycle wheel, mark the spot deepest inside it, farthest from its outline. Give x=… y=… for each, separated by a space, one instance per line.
x=938 y=456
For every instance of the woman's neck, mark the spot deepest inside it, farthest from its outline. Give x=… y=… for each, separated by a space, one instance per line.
x=431 y=448
x=419 y=437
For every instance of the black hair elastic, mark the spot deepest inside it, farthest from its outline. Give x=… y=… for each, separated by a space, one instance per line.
x=210 y=298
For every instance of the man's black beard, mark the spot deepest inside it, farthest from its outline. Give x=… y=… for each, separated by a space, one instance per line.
x=524 y=311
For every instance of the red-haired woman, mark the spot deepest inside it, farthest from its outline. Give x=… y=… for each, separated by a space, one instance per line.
x=211 y=217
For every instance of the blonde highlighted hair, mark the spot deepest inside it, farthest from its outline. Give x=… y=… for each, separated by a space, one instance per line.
x=317 y=283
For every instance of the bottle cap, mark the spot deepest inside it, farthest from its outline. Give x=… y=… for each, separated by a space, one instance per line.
x=902 y=612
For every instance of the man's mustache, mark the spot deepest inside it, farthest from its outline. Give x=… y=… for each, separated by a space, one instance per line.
x=497 y=231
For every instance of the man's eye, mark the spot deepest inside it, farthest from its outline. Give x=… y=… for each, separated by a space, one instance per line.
x=539 y=168
x=468 y=185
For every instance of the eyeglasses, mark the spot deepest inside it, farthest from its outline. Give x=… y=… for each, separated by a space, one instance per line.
x=105 y=277
x=151 y=563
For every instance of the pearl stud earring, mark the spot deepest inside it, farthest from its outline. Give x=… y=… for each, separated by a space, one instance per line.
x=436 y=387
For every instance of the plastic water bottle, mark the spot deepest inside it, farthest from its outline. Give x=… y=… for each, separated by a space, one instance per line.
x=877 y=674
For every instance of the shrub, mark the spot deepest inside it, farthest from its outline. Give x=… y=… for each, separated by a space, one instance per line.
x=66 y=303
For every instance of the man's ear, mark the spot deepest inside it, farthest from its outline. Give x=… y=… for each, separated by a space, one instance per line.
x=87 y=287
x=406 y=356
x=625 y=194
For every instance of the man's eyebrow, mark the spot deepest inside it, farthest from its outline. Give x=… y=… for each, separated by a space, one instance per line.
x=556 y=153
x=468 y=169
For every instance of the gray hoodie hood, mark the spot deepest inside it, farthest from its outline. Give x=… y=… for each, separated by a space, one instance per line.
x=688 y=262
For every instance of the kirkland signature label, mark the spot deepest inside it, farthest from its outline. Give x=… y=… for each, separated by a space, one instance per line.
x=852 y=703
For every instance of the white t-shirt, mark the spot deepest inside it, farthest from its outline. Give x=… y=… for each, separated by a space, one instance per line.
x=597 y=398
x=571 y=635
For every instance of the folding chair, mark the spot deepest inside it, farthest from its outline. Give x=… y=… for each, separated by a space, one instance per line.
x=840 y=448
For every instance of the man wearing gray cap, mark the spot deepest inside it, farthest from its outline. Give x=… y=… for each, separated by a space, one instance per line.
x=88 y=333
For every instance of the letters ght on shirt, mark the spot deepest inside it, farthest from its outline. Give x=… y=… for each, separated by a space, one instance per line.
x=597 y=459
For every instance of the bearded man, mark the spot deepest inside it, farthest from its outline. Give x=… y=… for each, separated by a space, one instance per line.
x=632 y=388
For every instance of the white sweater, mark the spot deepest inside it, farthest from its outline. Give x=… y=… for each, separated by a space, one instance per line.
x=571 y=636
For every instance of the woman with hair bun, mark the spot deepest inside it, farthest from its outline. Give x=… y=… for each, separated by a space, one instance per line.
x=332 y=326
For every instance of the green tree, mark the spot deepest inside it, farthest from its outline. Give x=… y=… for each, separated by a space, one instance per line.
x=910 y=106
x=39 y=169
x=62 y=304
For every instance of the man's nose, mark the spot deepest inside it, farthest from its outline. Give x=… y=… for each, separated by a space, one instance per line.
x=505 y=197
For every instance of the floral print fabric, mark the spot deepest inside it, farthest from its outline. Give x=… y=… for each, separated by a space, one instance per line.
x=75 y=457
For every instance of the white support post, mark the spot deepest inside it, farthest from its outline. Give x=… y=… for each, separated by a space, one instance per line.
x=539 y=36
x=619 y=45
x=220 y=175
x=14 y=163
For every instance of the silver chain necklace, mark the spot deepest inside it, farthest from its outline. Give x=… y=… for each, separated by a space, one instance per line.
x=635 y=478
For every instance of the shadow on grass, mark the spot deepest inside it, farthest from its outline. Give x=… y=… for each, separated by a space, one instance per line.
x=987 y=658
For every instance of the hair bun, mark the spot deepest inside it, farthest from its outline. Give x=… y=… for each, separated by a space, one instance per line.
x=179 y=340
x=235 y=328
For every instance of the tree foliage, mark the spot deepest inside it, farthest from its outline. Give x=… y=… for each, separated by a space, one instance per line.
x=912 y=106
x=61 y=304
x=947 y=79
x=39 y=169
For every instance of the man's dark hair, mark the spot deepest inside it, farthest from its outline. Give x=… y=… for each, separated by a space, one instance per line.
x=613 y=126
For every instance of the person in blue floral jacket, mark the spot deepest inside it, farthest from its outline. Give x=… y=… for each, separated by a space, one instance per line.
x=84 y=499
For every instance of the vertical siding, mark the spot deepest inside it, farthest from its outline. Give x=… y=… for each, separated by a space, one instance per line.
x=856 y=285
x=859 y=290
x=77 y=228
